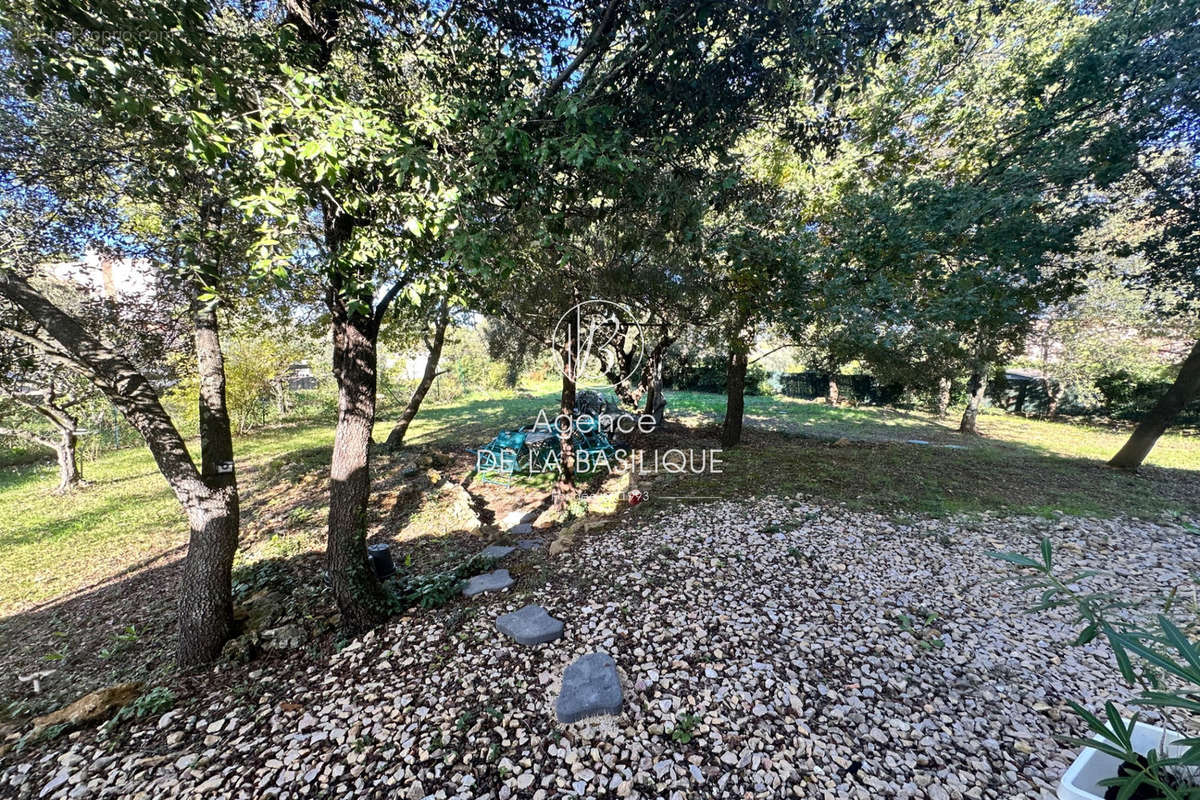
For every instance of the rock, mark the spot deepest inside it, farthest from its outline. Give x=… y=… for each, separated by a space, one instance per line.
x=550 y=517
x=95 y=707
x=263 y=609
x=530 y=625
x=566 y=537
x=240 y=649
x=521 y=529
x=285 y=637
x=517 y=516
x=590 y=687
x=57 y=782
x=494 y=581
x=462 y=513
x=496 y=551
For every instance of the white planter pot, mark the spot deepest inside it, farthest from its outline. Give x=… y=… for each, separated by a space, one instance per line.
x=1082 y=779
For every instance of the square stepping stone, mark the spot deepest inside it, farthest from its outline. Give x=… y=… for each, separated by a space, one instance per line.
x=530 y=625
x=496 y=551
x=590 y=687
x=495 y=581
x=514 y=518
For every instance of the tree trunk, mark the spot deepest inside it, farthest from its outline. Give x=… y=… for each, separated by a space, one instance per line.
x=1160 y=417
x=564 y=487
x=976 y=389
x=360 y=596
x=1053 y=398
x=735 y=396
x=69 y=476
x=621 y=372
x=205 y=596
x=395 y=439
x=831 y=397
x=512 y=368
x=943 y=398
x=656 y=401
x=281 y=396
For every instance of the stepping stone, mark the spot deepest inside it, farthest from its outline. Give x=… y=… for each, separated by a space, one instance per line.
x=521 y=528
x=590 y=686
x=517 y=517
x=530 y=625
x=488 y=582
x=917 y=441
x=496 y=551
x=529 y=544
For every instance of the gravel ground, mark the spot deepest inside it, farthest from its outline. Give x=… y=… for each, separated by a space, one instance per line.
x=768 y=648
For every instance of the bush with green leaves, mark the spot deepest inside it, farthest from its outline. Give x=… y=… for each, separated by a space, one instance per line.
x=436 y=589
x=1153 y=653
x=152 y=703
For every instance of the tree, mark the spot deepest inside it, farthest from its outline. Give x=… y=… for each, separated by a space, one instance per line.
x=1105 y=330
x=71 y=189
x=758 y=257
x=1116 y=110
x=441 y=321
x=258 y=354
x=940 y=242
x=41 y=393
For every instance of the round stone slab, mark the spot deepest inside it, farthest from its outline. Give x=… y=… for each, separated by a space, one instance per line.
x=496 y=551
x=530 y=625
x=590 y=687
x=488 y=582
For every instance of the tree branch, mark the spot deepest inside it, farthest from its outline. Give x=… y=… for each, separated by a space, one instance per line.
x=590 y=46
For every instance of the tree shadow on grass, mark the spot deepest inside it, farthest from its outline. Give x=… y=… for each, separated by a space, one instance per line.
x=123 y=627
x=477 y=421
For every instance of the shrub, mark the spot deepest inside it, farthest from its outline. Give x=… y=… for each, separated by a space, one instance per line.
x=1156 y=656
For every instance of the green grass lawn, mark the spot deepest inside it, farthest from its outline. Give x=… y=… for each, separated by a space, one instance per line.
x=126 y=518
x=997 y=429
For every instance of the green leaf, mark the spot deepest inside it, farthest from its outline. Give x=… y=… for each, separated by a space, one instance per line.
x=1095 y=744
x=1160 y=699
x=1182 y=645
x=1123 y=662
x=1117 y=725
x=1087 y=634
x=1014 y=558
x=1131 y=785
x=1164 y=663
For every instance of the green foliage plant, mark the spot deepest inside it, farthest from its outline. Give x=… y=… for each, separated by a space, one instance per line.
x=1152 y=653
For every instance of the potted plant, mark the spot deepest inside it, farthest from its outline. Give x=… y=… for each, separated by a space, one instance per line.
x=1127 y=759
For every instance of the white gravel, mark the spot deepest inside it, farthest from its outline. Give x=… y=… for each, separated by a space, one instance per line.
x=774 y=627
